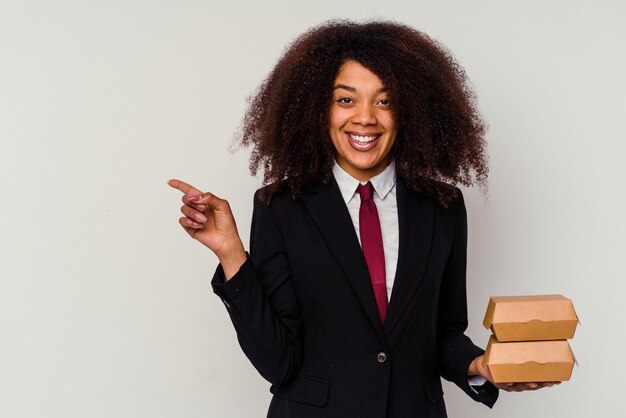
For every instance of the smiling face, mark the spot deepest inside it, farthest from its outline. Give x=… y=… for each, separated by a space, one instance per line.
x=362 y=127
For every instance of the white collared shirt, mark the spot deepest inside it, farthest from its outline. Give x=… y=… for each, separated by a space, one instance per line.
x=387 y=206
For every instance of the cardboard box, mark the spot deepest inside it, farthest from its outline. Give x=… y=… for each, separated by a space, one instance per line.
x=531 y=318
x=529 y=361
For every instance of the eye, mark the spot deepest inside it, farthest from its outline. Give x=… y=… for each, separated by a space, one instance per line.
x=384 y=102
x=344 y=100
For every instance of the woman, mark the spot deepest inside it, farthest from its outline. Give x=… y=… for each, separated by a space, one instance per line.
x=352 y=301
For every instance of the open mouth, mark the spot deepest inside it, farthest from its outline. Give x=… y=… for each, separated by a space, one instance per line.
x=363 y=142
x=361 y=139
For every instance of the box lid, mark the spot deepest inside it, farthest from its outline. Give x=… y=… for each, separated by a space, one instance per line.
x=528 y=318
x=541 y=352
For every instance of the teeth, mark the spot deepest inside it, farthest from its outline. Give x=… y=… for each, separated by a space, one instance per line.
x=363 y=139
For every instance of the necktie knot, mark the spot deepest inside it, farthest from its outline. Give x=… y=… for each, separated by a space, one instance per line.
x=366 y=191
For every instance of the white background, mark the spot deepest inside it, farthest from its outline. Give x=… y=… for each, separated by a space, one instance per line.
x=105 y=304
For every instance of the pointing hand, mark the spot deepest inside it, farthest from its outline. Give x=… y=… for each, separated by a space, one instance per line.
x=210 y=220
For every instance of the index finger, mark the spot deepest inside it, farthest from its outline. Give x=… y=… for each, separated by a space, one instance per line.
x=183 y=187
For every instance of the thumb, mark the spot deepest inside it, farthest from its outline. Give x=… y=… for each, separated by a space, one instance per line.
x=208 y=199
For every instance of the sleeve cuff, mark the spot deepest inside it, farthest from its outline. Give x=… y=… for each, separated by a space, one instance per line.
x=476 y=381
x=232 y=290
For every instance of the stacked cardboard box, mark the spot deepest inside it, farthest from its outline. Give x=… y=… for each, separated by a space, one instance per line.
x=529 y=341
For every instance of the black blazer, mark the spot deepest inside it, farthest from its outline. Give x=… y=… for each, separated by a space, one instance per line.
x=305 y=314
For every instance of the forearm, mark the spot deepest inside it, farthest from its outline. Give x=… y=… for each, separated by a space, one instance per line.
x=270 y=342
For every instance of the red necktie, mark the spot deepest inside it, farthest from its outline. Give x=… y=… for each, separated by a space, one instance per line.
x=372 y=245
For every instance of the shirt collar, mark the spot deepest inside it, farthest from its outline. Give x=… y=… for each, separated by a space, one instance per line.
x=383 y=182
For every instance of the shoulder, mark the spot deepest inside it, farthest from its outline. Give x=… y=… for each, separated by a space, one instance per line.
x=277 y=202
x=279 y=195
x=444 y=196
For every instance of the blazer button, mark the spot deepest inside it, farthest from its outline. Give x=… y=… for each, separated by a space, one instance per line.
x=381 y=357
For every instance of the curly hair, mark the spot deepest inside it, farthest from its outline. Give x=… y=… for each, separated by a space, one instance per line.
x=440 y=133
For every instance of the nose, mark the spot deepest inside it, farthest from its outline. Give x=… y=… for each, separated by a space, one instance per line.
x=364 y=115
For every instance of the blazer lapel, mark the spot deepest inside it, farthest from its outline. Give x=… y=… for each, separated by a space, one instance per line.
x=328 y=210
x=416 y=217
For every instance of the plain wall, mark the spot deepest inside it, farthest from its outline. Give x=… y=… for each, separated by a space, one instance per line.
x=105 y=303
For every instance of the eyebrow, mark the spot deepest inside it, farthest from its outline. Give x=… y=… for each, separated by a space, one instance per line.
x=353 y=90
